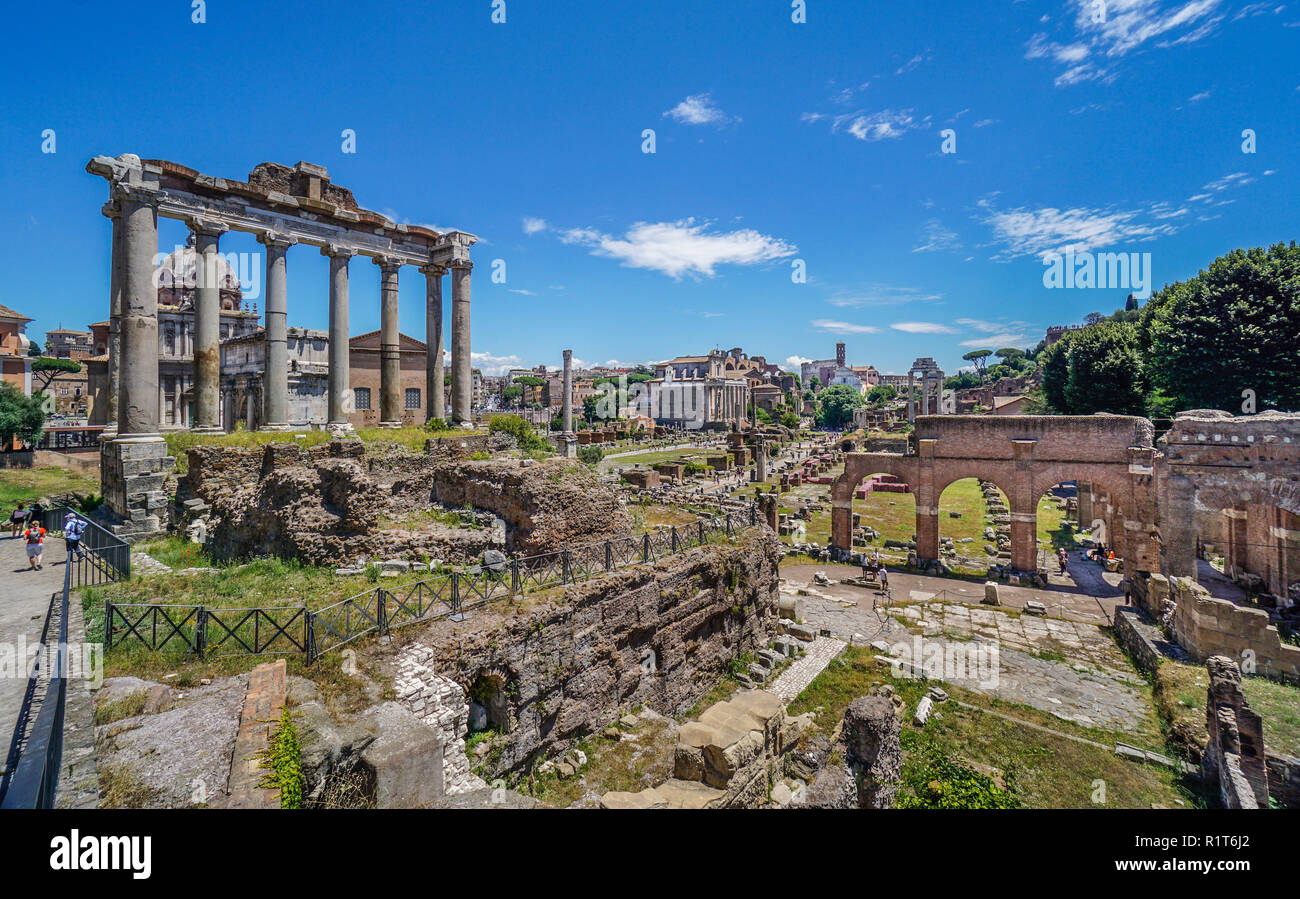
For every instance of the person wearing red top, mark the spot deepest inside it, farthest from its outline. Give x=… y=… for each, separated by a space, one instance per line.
x=35 y=537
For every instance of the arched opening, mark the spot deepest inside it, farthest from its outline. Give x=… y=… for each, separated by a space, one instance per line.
x=884 y=517
x=489 y=702
x=974 y=526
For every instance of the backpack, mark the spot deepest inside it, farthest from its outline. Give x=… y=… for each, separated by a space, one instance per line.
x=35 y=535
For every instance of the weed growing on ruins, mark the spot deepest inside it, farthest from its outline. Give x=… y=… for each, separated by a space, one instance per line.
x=123 y=787
x=283 y=762
x=127 y=706
x=932 y=780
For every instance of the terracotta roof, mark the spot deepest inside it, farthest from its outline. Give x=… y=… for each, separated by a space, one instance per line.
x=6 y=312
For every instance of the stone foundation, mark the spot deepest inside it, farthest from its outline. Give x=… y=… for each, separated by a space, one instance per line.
x=1234 y=756
x=1206 y=626
x=133 y=474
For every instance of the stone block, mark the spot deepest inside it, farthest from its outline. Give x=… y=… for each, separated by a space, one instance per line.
x=405 y=759
x=991 y=594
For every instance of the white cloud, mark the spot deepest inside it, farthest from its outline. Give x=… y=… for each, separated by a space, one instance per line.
x=910 y=65
x=527 y=293
x=922 y=328
x=699 y=109
x=682 y=247
x=492 y=366
x=984 y=123
x=533 y=225
x=1197 y=98
x=1034 y=232
x=834 y=327
x=987 y=327
x=793 y=363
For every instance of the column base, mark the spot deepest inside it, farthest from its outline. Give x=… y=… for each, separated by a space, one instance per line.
x=465 y=425
x=341 y=428
x=134 y=470
x=390 y=424
x=566 y=445
x=276 y=427
x=210 y=429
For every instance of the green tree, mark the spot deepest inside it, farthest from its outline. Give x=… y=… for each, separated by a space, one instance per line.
x=837 y=405
x=980 y=359
x=47 y=368
x=514 y=425
x=1231 y=328
x=790 y=420
x=20 y=416
x=881 y=394
x=1055 y=362
x=1106 y=371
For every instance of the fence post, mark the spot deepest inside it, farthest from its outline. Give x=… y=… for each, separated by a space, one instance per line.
x=566 y=575
x=201 y=631
x=514 y=576
x=455 y=593
x=645 y=548
x=108 y=624
x=381 y=609
x=728 y=519
x=309 y=636
x=609 y=556
x=700 y=523
x=673 y=529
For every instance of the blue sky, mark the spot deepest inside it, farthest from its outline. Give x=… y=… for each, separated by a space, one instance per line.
x=775 y=142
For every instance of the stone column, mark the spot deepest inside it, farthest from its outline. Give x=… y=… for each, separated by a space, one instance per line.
x=207 y=327
x=760 y=461
x=567 y=407
x=433 y=361
x=113 y=211
x=462 y=376
x=390 y=349
x=911 y=397
x=275 y=383
x=137 y=414
x=340 y=385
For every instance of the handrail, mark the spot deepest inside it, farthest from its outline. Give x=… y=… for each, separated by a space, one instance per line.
x=33 y=783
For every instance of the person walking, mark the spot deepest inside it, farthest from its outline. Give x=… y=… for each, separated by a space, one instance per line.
x=884 y=580
x=36 y=514
x=74 y=526
x=34 y=534
x=16 y=520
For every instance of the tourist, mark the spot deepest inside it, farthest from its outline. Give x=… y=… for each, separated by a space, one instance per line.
x=36 y=514
x=73 y=527
x=16 y=520
x=884 y=579
x=35 y=537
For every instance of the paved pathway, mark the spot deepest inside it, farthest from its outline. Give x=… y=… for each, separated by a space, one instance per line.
x=24 y=602
x=795 y=679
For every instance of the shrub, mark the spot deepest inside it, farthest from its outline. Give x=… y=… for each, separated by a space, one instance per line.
x=284 y=764
x=590 y=454
x=514 y=425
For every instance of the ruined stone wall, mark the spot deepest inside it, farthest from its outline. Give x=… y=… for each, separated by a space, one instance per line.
x=658 y=635
x=1234 y=755
x=547 y=506
x=1206 y=626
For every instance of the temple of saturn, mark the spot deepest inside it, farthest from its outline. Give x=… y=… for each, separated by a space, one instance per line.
x=282 y=206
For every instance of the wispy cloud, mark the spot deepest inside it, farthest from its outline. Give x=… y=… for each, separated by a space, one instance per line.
x=887 y=124
x=922 y=328
x=533 y=225
x=837 y=327
x=937 y=237
x=880 y=295
x=1035 y=231
x=1098 y=36
x=998 y=341
x=699 y=109
x=684 y=247
x=492 y=365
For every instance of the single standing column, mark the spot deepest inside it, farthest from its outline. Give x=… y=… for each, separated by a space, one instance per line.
x=911 y=397
x=433 y=340
x=137 y=411
x=207 y=327
x=113 y=210
x=462 y=377
x=340 y=390
x=390 y=350
x=568 y=392
x=275 y=380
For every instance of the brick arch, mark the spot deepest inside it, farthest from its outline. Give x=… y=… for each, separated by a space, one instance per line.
x=976 y=470
x=857 y=467
x=1113 y=481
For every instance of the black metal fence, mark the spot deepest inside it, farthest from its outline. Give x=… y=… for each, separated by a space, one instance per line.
x=103 y=557
x=35 y=756
x=206 y=632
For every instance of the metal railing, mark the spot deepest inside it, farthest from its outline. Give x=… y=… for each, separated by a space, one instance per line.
x=205 y=632
x=33 y=780
x=104 y=557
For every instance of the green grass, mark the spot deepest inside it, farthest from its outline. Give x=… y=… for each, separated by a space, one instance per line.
x=23 y=485
x=1181 y=694
x=411 y=439
x=1040 y=770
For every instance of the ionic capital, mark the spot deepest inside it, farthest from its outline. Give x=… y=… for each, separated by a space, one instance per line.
x=276 y=239
x=207 y=227
x=387 y=264
x=338 y=251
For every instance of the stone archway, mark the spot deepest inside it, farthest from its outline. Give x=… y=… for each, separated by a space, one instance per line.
x=491 y=707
